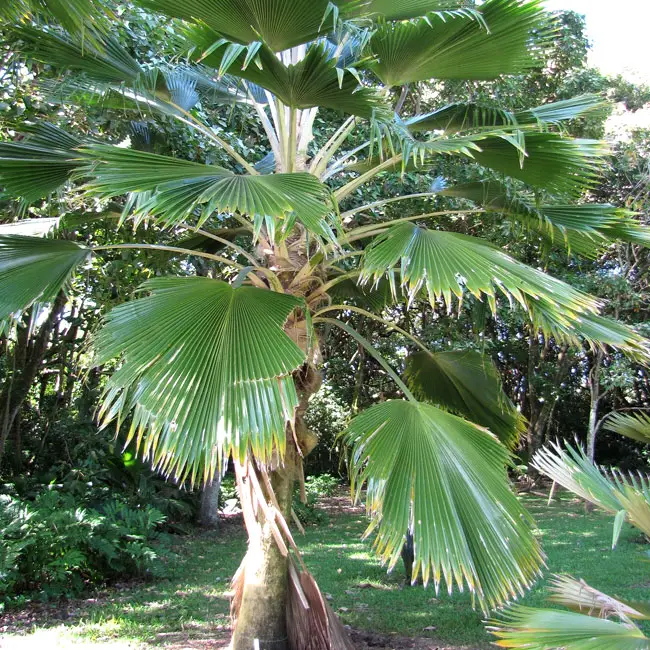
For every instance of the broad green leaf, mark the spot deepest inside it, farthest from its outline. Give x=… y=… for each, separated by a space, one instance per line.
x=313 y=81
x=450 y=265
x=467 y=383
x=552 y=162
x=181 y=186
x=206 y=371
x=444 y=479
x=635 y=426
x=280 y=24
x=543 y=629
x=460 y=47
x=39 y=164
x=33 y=269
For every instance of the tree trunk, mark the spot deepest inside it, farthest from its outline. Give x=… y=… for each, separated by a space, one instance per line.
x=27 y=359
x=261 y=621
x=209 y=508
x=594 y=393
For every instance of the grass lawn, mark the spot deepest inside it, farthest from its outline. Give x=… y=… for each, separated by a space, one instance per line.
x=189 y=609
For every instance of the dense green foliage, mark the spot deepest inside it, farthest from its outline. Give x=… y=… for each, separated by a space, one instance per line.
x=55 y=546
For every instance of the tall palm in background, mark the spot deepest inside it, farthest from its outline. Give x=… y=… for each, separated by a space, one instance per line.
x=211 y=367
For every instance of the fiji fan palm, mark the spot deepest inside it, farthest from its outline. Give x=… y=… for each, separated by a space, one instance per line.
x=213 y=367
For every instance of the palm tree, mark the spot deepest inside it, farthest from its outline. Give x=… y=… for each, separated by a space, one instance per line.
x=210 y=368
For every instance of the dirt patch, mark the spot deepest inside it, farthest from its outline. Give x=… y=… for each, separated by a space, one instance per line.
x=340 y=503
x=370 y=641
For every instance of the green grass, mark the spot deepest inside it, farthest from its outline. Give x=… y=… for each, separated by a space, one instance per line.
x=193 y=602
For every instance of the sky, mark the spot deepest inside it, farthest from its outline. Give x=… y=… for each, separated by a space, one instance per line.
x=619 y=32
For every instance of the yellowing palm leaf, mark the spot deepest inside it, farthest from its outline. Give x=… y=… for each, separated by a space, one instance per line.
x=543 y=629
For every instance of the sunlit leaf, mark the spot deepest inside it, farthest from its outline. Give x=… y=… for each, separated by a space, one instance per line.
x=205 y=371
x=543 y=629
x=444 y=479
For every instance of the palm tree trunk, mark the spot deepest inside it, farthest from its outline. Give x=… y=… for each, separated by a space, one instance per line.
x=595 y=396
x=261 y=619
x=209 y=508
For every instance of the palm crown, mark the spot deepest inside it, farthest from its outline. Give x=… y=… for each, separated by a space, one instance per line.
x=210 y=368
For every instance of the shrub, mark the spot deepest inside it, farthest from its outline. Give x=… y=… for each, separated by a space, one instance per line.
x=52 y=546
x=323 y=485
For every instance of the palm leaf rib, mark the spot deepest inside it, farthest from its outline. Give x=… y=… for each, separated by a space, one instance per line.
x=207 y=372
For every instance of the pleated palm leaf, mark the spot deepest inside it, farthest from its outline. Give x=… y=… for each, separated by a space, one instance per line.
x=208 y=368
x=598 y=622
x=626 y=496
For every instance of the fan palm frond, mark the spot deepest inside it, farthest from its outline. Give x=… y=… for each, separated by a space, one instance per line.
x=33 y=269
x=461 y=47
x=458 y=117
x=181 y=186
x=281 y=24
x=39 y=164
x=442 y=477
x=541 y=629
x=205 y=370
x=585 y=228
x=313 y=81
x=552 y=162
x=635 y=426
x=468 y=383
x=626 y=496
x=107 y=61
